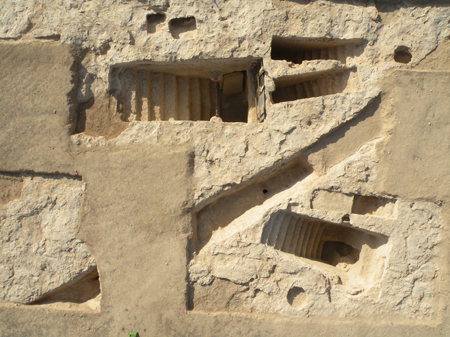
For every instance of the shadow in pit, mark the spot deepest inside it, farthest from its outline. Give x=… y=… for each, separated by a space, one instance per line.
x=80 y=125
x=316 y=239
x=78 y=291
x=189 y=294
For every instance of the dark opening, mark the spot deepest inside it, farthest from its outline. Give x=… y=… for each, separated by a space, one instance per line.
x=265 y=191
x=335 y=252
x=233 y=98
x=80 y=125
x=182 y=25
x=153 y=20
x=190 y=249
x=298 y=55
x=402 y=55
x=346 y=218
x=297 y=50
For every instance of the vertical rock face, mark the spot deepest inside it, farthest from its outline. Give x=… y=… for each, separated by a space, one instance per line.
x=40 y=252
x=272 y=157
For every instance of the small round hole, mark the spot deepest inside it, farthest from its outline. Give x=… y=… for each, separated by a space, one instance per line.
x=265 y=191
x=402 y=55
x=296 y=297
x=346 y=218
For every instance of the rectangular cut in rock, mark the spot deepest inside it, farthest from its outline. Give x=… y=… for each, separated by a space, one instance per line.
x=183 y=28
x=332 y=201
x=297 y=50
x=186 y=92
x=155 y=22
x=338 y=245
x=38 y=106
x=233 y=99
x=294 y=87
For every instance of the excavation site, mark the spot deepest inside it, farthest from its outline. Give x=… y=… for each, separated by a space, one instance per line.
x=224 y=168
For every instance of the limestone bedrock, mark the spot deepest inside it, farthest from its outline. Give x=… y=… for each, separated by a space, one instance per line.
x=223 y=168
x=40 y=252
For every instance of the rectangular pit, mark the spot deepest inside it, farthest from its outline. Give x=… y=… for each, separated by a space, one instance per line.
x=300 y=87
x=338 y=245
x=183 y=28
x=297 y=50
x=187 y=91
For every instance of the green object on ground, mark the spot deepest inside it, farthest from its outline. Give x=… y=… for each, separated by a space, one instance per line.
x=133 y=334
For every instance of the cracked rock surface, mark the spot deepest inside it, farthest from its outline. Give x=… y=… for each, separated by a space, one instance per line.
x=40 y=252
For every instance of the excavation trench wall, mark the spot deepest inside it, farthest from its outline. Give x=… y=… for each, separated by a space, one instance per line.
x=256 y=168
